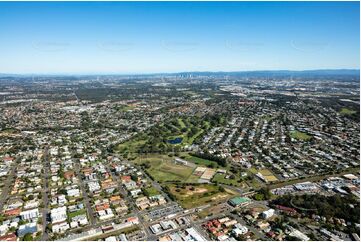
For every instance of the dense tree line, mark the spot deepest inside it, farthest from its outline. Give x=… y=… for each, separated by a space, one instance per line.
x=346 y=207
x=220 y=161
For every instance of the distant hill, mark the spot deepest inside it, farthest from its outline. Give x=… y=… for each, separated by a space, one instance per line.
x=261 y=73
x=278 y=73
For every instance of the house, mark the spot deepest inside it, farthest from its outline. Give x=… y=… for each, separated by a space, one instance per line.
x=133 y=220
x=195 y=235
x=287 y=210
x=8 y=237
x=142 y=203
x=4 y=171
x=263 y=225
x=58 y=215
x=130 y=185
x=299 y=235
x=268 y=213
x=69 y=175
x=115 y=199
x=102 y=206
x=230 y=223
x=80 y=219
x=13 y=212
x=105 y=214
x=15 y=204
x=29 y=214
x=60 y=227
x=239 y=230
x=27 y=228
x=93 y=186
x=8 y=160
x=135 y=192
x=73 y=192
x=126 y=179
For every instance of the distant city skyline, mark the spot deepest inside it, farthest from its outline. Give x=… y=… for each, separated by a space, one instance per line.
x=168 y=37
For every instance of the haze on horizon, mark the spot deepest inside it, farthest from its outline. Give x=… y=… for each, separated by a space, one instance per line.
x=153 y=37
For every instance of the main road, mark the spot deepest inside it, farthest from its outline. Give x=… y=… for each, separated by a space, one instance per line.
x=7 y=185
x=45 y=195
x=85 y=195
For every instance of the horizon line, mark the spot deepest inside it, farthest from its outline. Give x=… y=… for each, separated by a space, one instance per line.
x=170 y=73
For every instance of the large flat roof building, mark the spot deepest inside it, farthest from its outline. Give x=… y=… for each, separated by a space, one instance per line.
x=239 y=201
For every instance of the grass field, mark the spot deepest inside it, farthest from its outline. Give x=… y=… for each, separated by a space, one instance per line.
x=347 y=111
x=191 y=196
x=200 y=161
x=124 y=108
x=130 y=146
x=254 y=183
x=253 y=170
x=163 y=169
x=221 y=178
x=268 y=175
x=181 y=123
x=152 y=158
x=300 y=135
x=151 y=191
x=168 y=171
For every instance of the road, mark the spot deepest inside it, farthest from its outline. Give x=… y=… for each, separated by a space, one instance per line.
x=312 y=178
x=7 y=185
x=127 y=197
x=45 y=195
x=90 y=211
x=155 y=184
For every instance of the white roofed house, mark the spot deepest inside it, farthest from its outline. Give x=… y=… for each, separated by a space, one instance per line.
x=93 y=186
x=31 y=204
x=239 y=229
x=30 y=214
x=4 y=171
x=268 y=213
x=62 y=199
x=135 y=192
x=60 y=227
x=29 y=228
x=298 y=234
x=105 y=214
x=195 y=235
x=73 y=192
x=58 y=214
x=130 y=185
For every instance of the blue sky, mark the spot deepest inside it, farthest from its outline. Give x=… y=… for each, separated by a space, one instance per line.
x=148 y=37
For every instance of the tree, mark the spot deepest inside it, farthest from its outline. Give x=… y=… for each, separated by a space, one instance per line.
x=134 y=177
x=263 y=194
x=62 y=191
x=312 y=236
x=28 y=237
x=259 y=197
